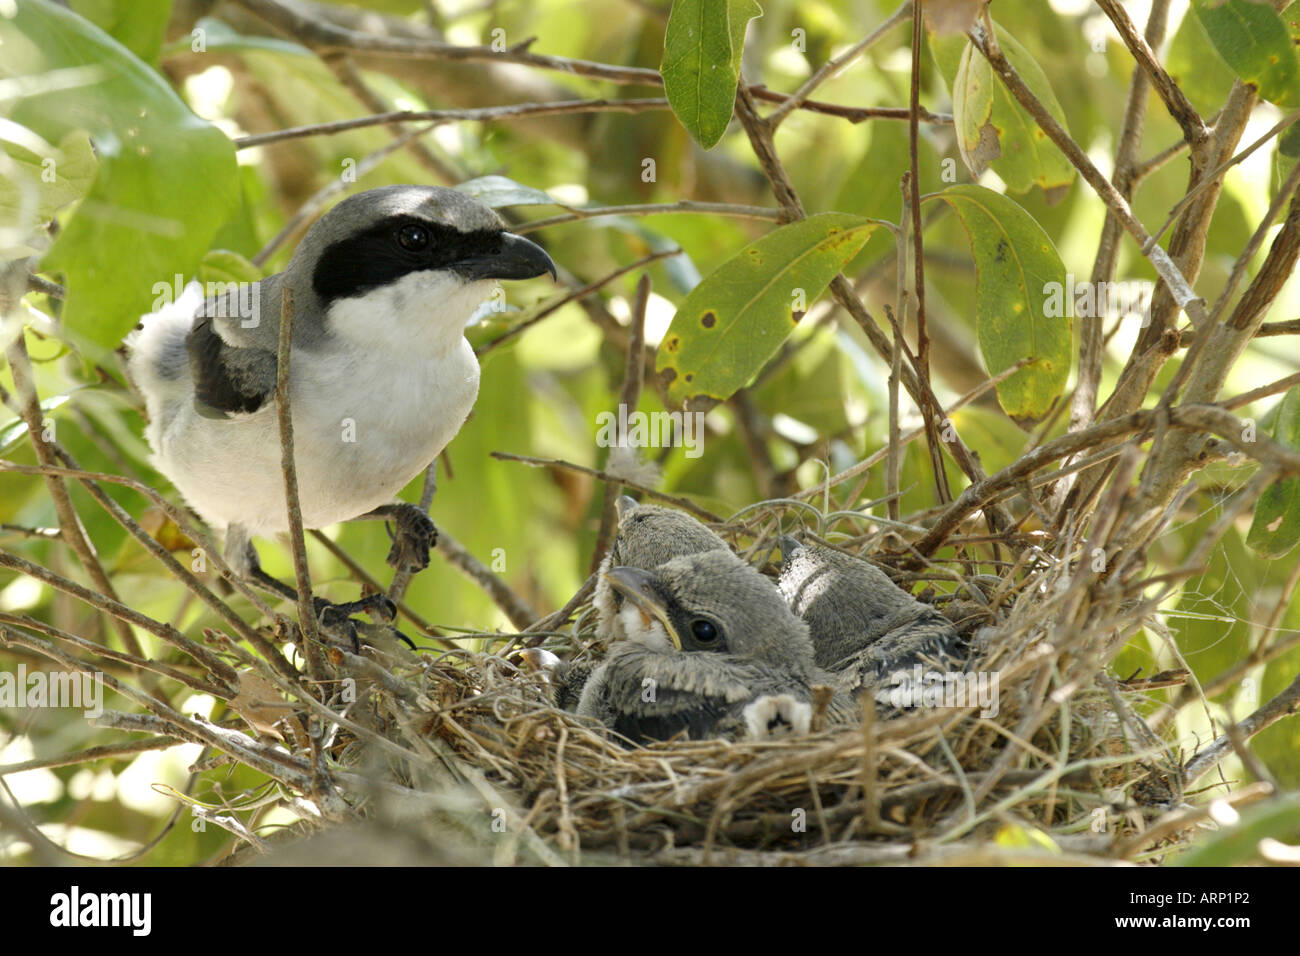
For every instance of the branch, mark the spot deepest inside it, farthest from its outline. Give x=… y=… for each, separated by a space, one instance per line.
x=441 y=117
x=1083 y=405
x=219 y=668
x=1211 y=418
x=576 y=294
x=26 y=404
x=1285 y=704
x=514 y=607
x=1169 y=273
x=658 y=209
x=324 y=37
x=90 y=480
x=684 y=503
x=629 y=398
x=834 y=65
x=1180 y=108
x=306 y=611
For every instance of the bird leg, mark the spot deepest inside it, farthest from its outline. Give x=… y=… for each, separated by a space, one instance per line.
x=336 y=618
x=415 y=534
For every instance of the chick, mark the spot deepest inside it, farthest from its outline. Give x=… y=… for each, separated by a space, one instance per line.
x=647 y=537
x=864 y=628
x=710 y=648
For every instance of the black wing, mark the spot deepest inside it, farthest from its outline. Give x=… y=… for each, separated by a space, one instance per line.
x=227 y=380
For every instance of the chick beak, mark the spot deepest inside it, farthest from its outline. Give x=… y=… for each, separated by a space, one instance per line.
x=789 y=545
x=636 y=586
x=623 y=506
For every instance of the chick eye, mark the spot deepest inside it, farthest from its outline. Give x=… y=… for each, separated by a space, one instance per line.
x=413 y=237
x=704 y=631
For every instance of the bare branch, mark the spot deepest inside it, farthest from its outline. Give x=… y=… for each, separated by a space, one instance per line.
x=834 y=65
x=684 y=503
x=306 y=611
x=441 y=117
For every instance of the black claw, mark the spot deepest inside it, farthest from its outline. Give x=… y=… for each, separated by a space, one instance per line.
x=338 y=617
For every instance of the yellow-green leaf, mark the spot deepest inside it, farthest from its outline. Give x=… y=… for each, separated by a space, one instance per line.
x=1239 y=842
x=992 y=128
x=701 y=66
x=738 y=316
x=1275 y=529
x=39 y=184
x=136 y=24
x=224 y=266
x=1018 y=276
x=166 y=180
x=1253 y=40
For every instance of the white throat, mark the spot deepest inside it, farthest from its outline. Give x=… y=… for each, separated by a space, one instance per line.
x=422 y=313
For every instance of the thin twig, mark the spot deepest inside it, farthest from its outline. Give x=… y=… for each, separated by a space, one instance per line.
x=656 y=209
x=512 y=605
x=572 y=296
x=629 y=398
x=442 y=117
x=293 y=509
x=834 y=66
x=684 y=503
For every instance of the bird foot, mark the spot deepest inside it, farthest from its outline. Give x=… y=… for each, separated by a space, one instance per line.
x=415 y=534
x=777 y=715
x=337 y=618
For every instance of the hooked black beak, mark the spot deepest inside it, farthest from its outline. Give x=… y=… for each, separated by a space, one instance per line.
x=636 y=586
x=519 y=258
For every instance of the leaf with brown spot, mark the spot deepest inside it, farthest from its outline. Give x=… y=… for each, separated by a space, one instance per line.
x=735 y=320
x=1016 y=267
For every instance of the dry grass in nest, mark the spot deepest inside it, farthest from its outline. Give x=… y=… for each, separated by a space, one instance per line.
x=941 y=783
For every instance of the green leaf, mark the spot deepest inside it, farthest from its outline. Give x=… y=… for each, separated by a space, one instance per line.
x=993 y=129
x=225 y=266
x=1253 y=40
x=38 y=184
x=1275 y=529
x=219 y=37
x=701 y=65
x=1019 y=279
x=498 y=191
x=14 y=431
x=166 y=181
x=738 y=316
x=1237 y=843
x=1212 y=618
x=1197 y=68
x=136 y=24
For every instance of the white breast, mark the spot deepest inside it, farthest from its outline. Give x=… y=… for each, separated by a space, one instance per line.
x=372 y=407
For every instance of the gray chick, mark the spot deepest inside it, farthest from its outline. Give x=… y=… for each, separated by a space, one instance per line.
x=562 y=679
x=710 y=649
x=647 y=536
x=864 y=628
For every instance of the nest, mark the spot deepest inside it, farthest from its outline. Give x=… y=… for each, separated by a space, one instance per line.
x=1060 y=751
